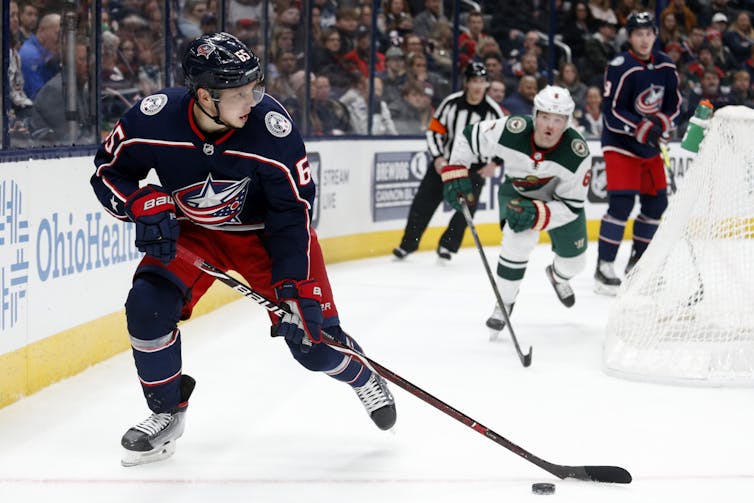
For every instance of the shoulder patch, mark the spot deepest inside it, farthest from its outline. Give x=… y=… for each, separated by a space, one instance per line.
x=515 y=124
x=152 y=105
x=579 y=147
x=278 y=124
x=617 y=61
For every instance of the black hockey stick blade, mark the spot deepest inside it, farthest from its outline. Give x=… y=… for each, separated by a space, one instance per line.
x=612 y=474
x=525 y=358
x=608 y=474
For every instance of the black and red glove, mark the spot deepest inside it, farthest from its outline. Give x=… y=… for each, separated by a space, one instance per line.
x=652 y=129
x=302 y=325
x=153 y=211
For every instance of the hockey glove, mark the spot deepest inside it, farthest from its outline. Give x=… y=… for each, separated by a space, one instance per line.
x=153 y=211
x=456 y=184
x=524 y=214
x=650 y=130
x=302 y=325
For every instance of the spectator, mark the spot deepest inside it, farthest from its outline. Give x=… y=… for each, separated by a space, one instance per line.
x=246 y=9
x=568 y=77
x=691 y=44
x=20 y=103
x=28 y=18
x=494 y=64
x=191 y=17
x=248 y=31
x=602 y=11
x=328 y=60
x=440 y=48
x=469 y=41
x=719 y=22
x=496 y=91
x=346 y=22
x=578 y=28
x=128 y=63
x=624 y=8
x=521 y=102
x=356 y=101
x=283 y=40
x=208 y=24
x=396 y=10
x=741 y=93
x=284 y=86
x=705 y=62
x=426 y=21
x=675 y=51
x=670 y=31
x=394 y=78
x=290 y=17
x=434 y=85
x=414 y=110
x=685 y=18
x=359 y=57
x=588 y=117
x=330 y=115
x=327 y=9
x=721 y=54
x=512 y=18
x=739 y=38
x=40 y=55
x=710 y=89
x=599 y=50
x=529 y=65
x=49 y=111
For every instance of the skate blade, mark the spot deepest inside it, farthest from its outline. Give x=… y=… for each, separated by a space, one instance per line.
x=494 y=334
x=135 y=458
x=603 y=289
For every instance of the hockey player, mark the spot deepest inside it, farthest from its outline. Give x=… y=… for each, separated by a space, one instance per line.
x=455 y=112
x=640 y=105
x=235 y=188
x=547 y=170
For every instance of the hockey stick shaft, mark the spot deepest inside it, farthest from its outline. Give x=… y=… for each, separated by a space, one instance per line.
x=612 y=474
x=525 y=358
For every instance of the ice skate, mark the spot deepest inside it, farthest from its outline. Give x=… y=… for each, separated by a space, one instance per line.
x=633 y=259
x=378 y=401
x=605 y=280
x=400 y=253
x=154 y=438
x=496 y=321
x=444 y=254
x=562 y=288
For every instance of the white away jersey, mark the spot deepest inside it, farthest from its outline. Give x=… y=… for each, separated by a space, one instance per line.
x=558 y=176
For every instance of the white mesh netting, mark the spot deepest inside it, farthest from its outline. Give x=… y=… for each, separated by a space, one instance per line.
x=685 y=314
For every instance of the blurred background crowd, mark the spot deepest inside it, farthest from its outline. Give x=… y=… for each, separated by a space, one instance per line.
x=350 y=67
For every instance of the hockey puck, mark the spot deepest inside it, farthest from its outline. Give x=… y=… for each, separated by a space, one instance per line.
x=543 y=488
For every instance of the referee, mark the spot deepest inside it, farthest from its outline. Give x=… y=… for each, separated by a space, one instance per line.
x=456 y=111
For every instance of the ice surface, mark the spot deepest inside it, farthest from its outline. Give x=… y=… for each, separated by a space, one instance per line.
x=260 y=428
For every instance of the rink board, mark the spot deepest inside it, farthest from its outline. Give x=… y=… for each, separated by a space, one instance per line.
x=66 y=265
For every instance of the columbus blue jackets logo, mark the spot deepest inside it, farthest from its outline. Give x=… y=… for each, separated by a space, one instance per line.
x=649 y=101
x=205 y=50
x=213 y=202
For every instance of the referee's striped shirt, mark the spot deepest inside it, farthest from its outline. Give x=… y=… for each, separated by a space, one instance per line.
x=452 y=116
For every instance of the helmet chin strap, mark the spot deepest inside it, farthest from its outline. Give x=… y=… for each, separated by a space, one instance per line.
x=215 y=118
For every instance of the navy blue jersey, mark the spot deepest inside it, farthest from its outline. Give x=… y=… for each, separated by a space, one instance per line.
x=635 y=89
x=253 y=178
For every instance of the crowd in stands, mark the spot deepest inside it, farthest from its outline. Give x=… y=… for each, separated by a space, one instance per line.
x=711 y=42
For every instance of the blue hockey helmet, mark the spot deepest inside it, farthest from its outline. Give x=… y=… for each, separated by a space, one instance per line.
x=220 y=61
x=638 y=20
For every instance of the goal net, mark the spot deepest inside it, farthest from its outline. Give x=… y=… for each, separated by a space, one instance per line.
x=685 y=314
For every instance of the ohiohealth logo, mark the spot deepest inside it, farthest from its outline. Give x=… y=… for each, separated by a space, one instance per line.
x=14 y=268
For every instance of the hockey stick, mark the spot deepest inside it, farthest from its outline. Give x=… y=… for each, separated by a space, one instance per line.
x=612 y=474
x=525 y=358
